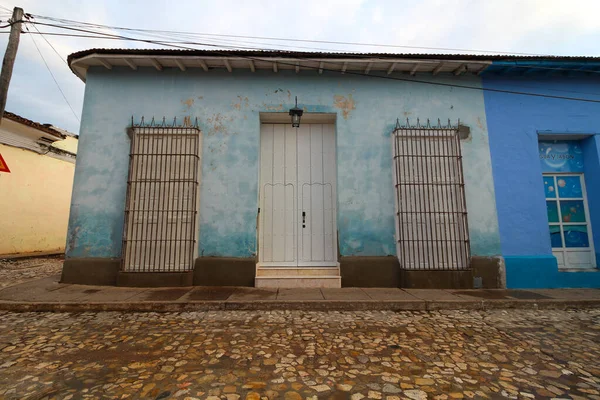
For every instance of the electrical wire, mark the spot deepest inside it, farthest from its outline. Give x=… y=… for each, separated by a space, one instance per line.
x=55 y=81
x=50 y=44
x=166 y=33
x=225 y=54
x=254 y=48
x=159 y=43
x=81 y=23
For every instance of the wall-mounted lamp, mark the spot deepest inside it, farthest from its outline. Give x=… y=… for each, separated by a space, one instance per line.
x=296 y=113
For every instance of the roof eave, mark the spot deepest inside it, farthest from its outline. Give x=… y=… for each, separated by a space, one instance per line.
x=410 y=64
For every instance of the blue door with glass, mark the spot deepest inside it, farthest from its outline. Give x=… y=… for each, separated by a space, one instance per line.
x=568 y=220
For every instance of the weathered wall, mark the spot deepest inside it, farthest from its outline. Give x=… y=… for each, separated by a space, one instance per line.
x=514 y=123
x=227 y=106
x=34 y=202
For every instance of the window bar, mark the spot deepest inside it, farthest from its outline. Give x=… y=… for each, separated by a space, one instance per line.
x=414 y=161
x=431 y=204
x=427 y=205
x=185 y=198
x=466 y=248
x=465 y=221
x=453 y=261
x=146 y=200
x=164 y=217
x=141 y=199
x=172 y=206
x=194 y=191
x=127 y=224
x=178 y=220
x=411 y=204
x=432 y=217
x=156 y=244
x=457 y=201
x=159 y=230
x=151 y=238
x=420 y=201
x=399 y=199
x=194 y=200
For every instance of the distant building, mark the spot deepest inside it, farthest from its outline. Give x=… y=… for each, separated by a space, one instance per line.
x=410 y=170
x=36 y=181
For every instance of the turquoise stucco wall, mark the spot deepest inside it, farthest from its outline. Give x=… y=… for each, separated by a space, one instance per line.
x=227 y=106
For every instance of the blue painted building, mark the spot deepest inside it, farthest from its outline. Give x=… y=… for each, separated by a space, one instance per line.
x=545 y=158
x=404 y=171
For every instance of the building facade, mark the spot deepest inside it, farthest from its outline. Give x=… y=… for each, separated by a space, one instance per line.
x=35 y=185
x=390 y=179
x=545 y=157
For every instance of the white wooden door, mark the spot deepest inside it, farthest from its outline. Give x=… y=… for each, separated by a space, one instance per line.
x=297 y=198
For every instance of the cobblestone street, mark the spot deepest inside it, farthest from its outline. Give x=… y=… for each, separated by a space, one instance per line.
x=15 y=271
x=298 y=355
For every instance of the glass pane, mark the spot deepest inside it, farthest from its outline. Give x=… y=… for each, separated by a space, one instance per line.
x=572 y=211
x=549 y=187
x=569 y=186
x=576 y=236
x=552 y=209
x=555 y=238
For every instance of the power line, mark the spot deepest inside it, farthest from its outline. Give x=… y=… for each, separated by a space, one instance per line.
x=330 y=70
x=50 y=44
x=213 y=41
x=100 y=36
x=195 y=34
x=55 y=81
x=225 y=54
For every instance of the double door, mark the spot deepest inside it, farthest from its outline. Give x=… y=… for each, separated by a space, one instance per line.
x=297 y=196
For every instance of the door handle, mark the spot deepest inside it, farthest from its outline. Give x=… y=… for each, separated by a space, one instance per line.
x=304 y=219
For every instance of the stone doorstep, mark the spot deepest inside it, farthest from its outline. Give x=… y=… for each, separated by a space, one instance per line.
x=305 y=305
x=299 y=281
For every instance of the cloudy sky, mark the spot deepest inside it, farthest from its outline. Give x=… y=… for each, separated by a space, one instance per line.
x=556 y=27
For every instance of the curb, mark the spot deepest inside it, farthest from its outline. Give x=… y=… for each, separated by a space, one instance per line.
x=300 y=305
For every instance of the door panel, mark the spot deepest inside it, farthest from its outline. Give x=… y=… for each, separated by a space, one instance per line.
x=297 y=175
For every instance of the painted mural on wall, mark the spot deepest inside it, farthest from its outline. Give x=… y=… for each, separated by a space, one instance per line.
x=561 y=156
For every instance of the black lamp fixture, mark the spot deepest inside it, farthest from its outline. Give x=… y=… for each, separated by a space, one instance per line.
x=296 y=113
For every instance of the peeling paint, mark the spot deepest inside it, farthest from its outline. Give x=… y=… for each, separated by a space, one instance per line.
x=188 y=102
x=269 y=107
x=345 y=104
x=241 y=101
x=479 y=124
x=217 y=124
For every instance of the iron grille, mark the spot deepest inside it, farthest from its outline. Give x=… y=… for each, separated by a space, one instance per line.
x=162 y=198
x=431 y=214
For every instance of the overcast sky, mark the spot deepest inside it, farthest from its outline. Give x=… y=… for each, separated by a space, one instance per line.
x=558 y=27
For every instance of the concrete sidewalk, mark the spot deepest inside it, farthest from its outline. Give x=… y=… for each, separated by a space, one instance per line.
x=49 y=295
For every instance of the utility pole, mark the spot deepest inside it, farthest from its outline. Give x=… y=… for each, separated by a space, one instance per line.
x=9 y=56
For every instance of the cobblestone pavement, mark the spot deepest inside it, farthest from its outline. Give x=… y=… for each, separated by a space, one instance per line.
x=301 y=355
x=15 y=271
